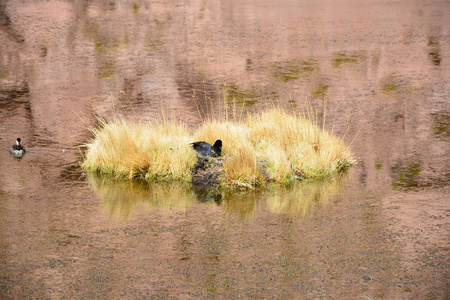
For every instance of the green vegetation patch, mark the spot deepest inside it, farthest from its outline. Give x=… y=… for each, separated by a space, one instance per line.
x=106 y=70
x=103 y=44
x=320 y=92
x=91 y=28
x=112 y=5
x=347 y=57
x=103 y=41
x=136 y=7
x=394 y=84
x=4 y=73
x=291 y=70
x=389 y=87
x=236 y=95
x=406 y=174
x=433 y=40
x=154 y=45
x=441 y=126
x=378 y=164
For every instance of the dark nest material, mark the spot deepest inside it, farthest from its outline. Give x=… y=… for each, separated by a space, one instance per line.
x=207 y=171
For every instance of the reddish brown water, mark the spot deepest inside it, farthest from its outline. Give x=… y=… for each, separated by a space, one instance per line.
x=380 y=68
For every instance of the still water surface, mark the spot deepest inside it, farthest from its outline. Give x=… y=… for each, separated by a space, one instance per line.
x=379 y=69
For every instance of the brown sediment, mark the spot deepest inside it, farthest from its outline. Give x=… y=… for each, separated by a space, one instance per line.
x=380 y=68
x=5 y=24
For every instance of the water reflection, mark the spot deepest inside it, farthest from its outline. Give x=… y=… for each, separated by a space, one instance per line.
x=242 y=206
x=6 y=24
x=293 y=69
x=344 y=57
x=303 y=198
x=9 y=93
x=379 y=67
x=434 y=49
x=405 y=173
x=237 y=95
x=441 y=126
x=120 y=198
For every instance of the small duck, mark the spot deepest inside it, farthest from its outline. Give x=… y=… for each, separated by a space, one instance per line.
x=206 y=149
x=17 y=150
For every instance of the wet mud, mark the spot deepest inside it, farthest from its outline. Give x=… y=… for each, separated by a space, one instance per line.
x=374 y=73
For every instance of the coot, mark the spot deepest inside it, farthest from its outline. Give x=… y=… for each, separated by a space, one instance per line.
x=17 y=150
x=206 y=149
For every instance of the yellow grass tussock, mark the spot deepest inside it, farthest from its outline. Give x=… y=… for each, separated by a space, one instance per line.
x=125 y=149
x=270 y=146
x=297 y=142
x=240 y=160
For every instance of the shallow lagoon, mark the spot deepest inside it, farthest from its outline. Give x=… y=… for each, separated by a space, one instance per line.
x=378 y=68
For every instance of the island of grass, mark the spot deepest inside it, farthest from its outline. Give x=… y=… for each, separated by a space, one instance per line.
x=272 y=146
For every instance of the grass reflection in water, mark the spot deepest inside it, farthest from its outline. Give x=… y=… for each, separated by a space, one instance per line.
x=302 y=198
x=121 y=197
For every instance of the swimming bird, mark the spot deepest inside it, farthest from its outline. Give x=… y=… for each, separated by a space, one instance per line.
x=206 y=149
x=17 y=150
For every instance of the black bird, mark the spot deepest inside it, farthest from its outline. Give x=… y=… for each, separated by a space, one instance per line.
x=17 y=150
x=206 y=149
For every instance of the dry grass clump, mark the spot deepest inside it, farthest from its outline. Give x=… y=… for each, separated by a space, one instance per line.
x=131 y=150
x=292 y=145
x=276 y=146
x=240 y=162
x=269 y=146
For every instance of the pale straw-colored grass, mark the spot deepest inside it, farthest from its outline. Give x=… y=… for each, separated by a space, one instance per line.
x=126 y=149
x=292 y=144
x=240 y=160
x=270 y=146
